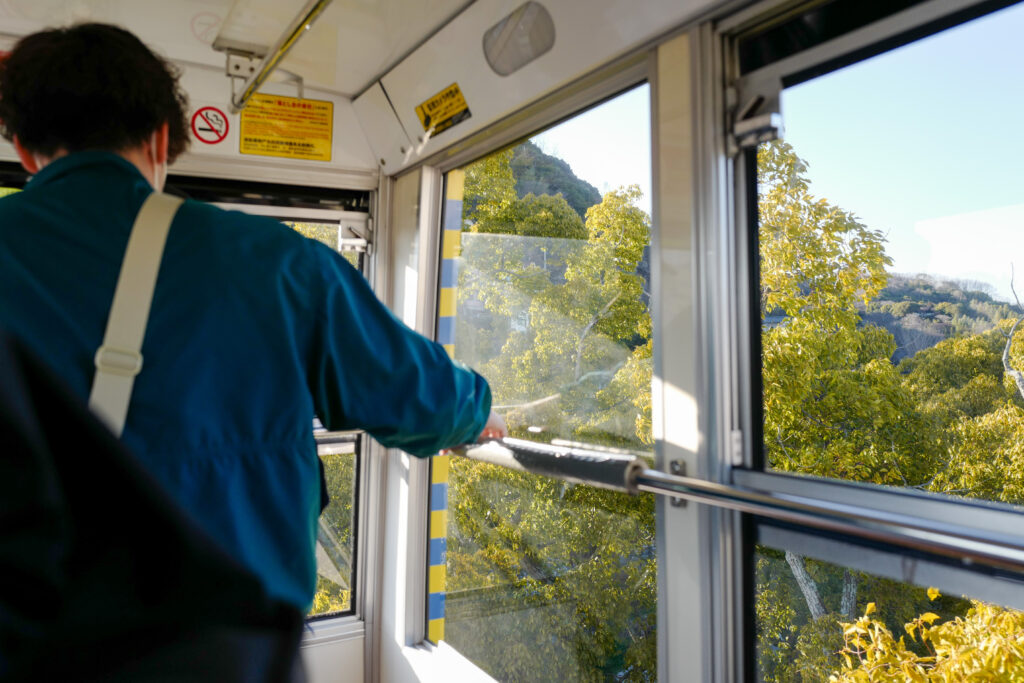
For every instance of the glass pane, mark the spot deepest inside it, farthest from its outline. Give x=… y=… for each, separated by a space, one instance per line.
x=821 y=622
x=4 y=191
x=890 y=235
x=326 y=233
x=550 y=581
x=545 y=291
x=335 y=538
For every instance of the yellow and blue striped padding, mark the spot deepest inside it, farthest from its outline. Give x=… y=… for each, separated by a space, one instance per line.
x=451 y=240
x=437 y=550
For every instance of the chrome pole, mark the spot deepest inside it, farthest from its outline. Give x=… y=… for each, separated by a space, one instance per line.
x=303 y=22
x=629 y=474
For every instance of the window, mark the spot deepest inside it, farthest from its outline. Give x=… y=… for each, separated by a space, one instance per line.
x=818 y=619
x=887 y=233
x=331 y=234
x=335 y=547
x=890 y=267
x=545 y=290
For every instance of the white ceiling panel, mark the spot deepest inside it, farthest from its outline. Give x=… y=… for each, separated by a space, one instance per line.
x=455 y=55
x=352 y=44
x=178 y=29
x=349 y=47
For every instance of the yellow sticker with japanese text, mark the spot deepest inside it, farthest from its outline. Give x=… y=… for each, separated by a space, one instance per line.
x=443 y=110
x=278 y=126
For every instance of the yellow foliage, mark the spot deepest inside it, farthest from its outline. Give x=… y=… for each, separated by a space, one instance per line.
x=986 y=644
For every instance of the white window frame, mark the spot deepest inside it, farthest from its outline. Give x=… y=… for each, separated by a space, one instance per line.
x=328 y=641
x=891 y=562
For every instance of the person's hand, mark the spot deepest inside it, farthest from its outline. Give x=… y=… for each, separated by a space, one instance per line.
x=494 y=429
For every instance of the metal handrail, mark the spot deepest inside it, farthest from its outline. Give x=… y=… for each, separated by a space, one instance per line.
x=630 y=474
x=302 y=23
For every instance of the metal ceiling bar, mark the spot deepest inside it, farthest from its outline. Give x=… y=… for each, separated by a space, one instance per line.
x=302 y=23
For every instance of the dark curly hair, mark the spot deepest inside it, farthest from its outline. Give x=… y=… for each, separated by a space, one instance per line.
x=90 y=86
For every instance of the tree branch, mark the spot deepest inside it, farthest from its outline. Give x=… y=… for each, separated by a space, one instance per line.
x=586 y=330
x=807 y=585
x=1018 y=377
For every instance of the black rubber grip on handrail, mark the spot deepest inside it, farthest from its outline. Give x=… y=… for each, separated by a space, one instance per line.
x=579 y=465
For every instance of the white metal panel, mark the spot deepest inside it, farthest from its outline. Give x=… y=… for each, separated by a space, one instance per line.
x=349 y=46
x=257 y=24
x=381 y=128
x=682 y=546
x=333 y=652
x=350 y=154
x=587 y=34
x=370 y=37
x=405 y=486
x=182 y=29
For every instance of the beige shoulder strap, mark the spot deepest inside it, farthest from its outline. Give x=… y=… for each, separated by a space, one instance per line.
x=119 y=359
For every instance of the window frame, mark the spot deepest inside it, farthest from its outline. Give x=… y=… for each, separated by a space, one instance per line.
x=749 y=471
x=343 y=627
x=698 y=585
x=410 y=629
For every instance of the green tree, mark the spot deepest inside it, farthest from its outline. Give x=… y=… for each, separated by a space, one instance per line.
x=948 y=419
x=834 y=405
x=335 y=537
x=548 y=580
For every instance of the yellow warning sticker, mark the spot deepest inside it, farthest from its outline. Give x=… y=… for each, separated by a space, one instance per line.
x=278 y=126
x=443 y=110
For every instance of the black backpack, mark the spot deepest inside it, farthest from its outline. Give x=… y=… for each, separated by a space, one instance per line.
x=102 y=576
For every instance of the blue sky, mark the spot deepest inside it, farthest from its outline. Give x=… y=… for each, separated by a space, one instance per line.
x=609 y=146
x=925 y=143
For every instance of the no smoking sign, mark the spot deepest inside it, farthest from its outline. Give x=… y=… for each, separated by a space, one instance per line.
x=210 y=125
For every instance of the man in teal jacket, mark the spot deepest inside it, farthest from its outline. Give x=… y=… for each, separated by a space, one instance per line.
x=253 y=329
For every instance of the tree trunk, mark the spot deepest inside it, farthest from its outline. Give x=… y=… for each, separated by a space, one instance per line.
x=849 y=603
x=583 y=336
x=807 y=585
x=1018 y=378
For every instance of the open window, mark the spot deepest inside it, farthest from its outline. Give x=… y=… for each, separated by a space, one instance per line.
x=884 y=269
x=338 y=221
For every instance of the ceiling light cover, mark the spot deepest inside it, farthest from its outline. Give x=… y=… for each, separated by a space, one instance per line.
x=518 y=39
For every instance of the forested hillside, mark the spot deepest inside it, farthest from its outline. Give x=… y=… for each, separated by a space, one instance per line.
x=538 y=173
x=920 y=311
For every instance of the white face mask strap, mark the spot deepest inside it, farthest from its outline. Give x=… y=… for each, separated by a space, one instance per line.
x=159 y=169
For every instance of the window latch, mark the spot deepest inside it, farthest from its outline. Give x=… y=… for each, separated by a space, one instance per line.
x=750 y=128
x=357 y=238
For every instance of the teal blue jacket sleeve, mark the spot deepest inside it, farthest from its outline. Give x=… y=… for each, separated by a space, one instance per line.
x=372 y=372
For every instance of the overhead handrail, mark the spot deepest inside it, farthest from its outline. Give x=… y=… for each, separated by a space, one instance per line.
x=630 y=474
x=302 y=23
